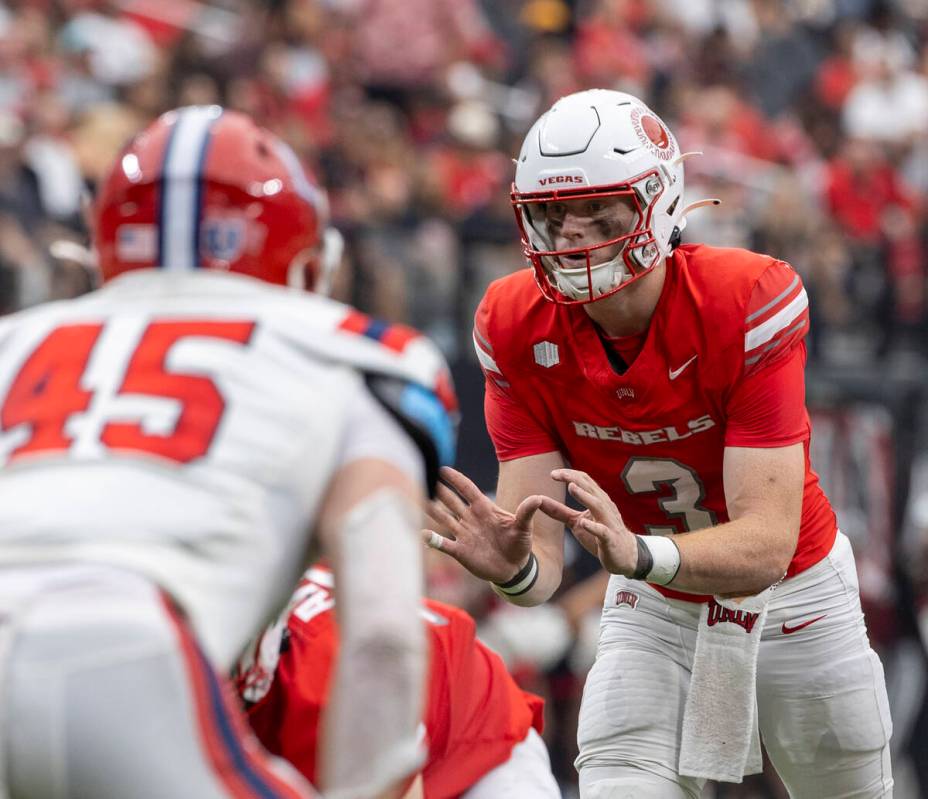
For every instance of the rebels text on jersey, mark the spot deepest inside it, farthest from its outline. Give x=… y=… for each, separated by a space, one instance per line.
x=721 y=365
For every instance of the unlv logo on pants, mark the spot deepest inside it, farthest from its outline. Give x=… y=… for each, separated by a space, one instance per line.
x=623 y=597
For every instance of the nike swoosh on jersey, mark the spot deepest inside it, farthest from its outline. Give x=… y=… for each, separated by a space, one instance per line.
x=787 y=630
x=675 y=373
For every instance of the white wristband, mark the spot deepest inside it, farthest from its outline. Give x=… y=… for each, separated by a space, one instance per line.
x=666 y=558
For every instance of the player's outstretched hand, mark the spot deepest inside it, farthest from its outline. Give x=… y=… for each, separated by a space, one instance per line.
x=489 y=542
x=600 y=527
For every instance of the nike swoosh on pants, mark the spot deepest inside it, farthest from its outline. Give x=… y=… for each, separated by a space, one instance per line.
x=796 y=628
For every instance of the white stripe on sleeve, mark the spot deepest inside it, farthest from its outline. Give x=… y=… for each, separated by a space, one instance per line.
x=779 y=321
x=486 y=360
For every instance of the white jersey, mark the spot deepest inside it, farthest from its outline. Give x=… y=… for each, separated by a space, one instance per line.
x=185 y=426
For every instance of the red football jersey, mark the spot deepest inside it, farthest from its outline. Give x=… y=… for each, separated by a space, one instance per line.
x=721 y=365
x=475 y=713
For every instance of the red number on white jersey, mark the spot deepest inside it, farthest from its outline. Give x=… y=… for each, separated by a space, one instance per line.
x=48 y=392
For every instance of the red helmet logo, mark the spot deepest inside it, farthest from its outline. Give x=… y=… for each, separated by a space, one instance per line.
x=655 y=131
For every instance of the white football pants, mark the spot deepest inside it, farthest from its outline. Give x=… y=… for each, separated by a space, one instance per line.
x=106 y=695
x=526 y=775
x=821 y=696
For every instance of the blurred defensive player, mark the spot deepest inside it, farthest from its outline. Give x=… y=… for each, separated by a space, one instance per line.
x=482 y=730
x=168 y=446
x=669 y=379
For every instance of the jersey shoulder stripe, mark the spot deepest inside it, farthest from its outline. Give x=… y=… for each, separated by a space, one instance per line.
x=487 y=363
x=777 y=316
x=394 y=337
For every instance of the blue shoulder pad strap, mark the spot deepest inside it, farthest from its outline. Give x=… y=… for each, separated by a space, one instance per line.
x=422 y=415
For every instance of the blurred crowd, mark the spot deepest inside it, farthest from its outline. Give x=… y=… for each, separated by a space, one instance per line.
x=811 y=117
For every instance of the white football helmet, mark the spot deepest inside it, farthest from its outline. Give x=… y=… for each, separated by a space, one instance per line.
x=594 y=144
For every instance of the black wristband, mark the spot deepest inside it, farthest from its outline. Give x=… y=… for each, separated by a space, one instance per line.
x=645 y=559
x=523 y=581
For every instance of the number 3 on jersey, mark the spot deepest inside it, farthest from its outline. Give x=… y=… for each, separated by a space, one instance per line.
x=56 y=405
x=649 y=475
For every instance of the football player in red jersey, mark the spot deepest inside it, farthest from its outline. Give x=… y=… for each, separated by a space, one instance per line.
x=661 y=385
x=170 y=446
x=481 y=729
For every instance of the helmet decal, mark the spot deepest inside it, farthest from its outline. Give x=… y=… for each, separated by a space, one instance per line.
x=136 y=243
x=655 y=132
x=223 y=237
x=652 y=134
x=562 y=180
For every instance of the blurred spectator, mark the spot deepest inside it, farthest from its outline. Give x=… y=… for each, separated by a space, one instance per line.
x=119 y=50
x=552 y=71
x=19 y=185
x=49 y=154
x=785 y=60
x=405 y=45
x=98 y=136
x=889 y=103
x=861 y=186
x=838 y=73
x=468 y=172
x=609 y=49
x=701 y=18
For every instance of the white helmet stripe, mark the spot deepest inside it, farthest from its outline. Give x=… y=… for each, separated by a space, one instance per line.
x=181 y=187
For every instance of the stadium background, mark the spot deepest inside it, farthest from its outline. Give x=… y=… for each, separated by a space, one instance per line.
x=813 y=119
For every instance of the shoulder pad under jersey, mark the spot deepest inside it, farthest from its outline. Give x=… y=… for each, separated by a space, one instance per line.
x=415 y=389
x=423 y=414
x=403 y=369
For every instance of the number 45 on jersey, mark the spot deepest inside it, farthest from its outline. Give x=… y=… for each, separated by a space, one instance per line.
x=87 y=388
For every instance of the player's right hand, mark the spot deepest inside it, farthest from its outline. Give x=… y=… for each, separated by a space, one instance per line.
x=491 y=543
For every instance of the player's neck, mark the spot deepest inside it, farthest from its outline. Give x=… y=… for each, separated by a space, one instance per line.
x=629 y=311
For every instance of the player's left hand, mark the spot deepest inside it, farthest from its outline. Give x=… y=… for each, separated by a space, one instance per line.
x=599 y=528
